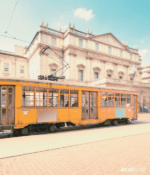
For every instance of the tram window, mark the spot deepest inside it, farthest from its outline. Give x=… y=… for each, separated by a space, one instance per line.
x=123 y=100
x=117 y=100
x=41 y=96
x=27 y=96
x=128 y=100
x=110 y=99
x=95 y=98
x=73 y=98
x=83 y=99
x=53 y=98
x=4 y=99
x=64 y=98
x=103 y=99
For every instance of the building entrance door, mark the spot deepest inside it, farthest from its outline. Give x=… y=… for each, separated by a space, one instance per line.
x=89 y=105
x=6 y=105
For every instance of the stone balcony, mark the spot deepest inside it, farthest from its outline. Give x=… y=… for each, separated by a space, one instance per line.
x=122 y=82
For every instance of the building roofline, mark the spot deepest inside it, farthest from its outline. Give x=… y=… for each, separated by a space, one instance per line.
x=146 y=67
x=11 y=54
x=31 y=42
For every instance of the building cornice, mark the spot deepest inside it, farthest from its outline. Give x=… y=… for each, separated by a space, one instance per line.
x=148 y=77
x=42 y=45
x=102 y=54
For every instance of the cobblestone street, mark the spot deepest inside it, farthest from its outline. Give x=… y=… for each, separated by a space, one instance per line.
x=125 y=155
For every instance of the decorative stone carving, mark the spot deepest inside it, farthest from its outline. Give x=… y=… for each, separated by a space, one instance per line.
x=91 y=31
x=69 y=25
x=46 y=24
x=73 y=26
x=87 y=30
x=60 y=28
x=42 y=23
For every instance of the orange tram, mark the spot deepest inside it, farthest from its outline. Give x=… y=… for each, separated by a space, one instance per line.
x=28 y=104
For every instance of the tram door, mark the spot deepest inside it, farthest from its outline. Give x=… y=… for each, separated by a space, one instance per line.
x=89 y=105
x=6 y=105
x=134 y=106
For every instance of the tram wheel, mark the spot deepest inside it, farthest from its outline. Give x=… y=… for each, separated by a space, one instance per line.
x=127 y=121
x=24 y=131
x=115 y=122
x=52 y=128
x=16 y=132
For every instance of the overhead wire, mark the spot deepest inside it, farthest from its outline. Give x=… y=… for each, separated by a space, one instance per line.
x=14 y=38
x=11 y=16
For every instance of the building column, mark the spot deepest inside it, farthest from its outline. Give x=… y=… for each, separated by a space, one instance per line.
x=91 y=70
x=104 y=69
x=127 y=76
x=115 y=70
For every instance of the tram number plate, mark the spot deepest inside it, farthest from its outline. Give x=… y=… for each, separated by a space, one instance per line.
x=25 y=112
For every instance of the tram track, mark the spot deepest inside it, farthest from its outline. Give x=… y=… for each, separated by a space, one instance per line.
x=67 y=129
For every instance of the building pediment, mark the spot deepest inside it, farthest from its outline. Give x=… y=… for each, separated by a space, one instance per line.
x=96 y=69
x=109 y=71
x=80 y=66
x=109 y=39
x=121 y=73
x=53 y=66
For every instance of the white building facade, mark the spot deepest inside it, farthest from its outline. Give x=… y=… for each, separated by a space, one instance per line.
x=146 y=74
x=101 y=60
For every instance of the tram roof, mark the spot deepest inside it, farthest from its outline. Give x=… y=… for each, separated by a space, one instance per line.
x=59 y=83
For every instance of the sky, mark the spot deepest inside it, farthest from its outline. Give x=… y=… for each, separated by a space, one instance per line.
x=128 y=20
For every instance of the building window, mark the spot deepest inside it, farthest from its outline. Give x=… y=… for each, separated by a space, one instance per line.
x=54 y=41
x=96 y=75
x=120 y=77
x=109 y=50
x=6 y=67
x=131 y=79
x=52 y=72
x=80 y=75
x=109 y=75
x=121 y=53
x=21 y=69
x=130 y=56
x=97 y=46
x=80 y=42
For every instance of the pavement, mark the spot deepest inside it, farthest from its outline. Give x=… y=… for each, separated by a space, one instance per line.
x=106 y=150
